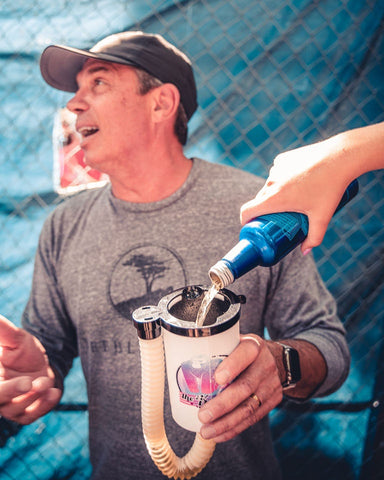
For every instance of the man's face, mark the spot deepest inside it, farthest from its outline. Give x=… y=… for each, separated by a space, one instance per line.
x=113 y=119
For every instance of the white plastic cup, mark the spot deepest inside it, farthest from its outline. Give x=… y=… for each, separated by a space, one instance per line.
x=192 y=352
x=191 y=363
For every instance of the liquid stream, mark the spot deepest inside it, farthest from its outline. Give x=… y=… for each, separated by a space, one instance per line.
x=206 y=305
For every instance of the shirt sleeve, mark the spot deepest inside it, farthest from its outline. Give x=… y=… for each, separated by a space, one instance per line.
x=45 y=315
x=300 y=307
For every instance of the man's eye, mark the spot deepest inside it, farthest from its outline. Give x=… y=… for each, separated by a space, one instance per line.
x=99 y=81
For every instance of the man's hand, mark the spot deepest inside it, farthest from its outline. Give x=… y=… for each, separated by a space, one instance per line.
x=256 y=371
x=26 y=379
x=252 y=370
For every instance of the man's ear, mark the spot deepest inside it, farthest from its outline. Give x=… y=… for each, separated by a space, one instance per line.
x=166 y=101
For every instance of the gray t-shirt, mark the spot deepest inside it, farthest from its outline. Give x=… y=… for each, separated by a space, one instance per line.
x=99 y=258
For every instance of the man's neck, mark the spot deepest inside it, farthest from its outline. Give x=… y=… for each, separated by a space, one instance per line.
x=145 y=184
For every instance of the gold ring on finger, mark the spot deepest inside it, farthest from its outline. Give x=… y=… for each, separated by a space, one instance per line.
x=256 y=398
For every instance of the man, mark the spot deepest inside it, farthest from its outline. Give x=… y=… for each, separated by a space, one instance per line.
x=160 y=224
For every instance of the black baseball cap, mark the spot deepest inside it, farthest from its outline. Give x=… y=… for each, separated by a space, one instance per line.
x=59 y=64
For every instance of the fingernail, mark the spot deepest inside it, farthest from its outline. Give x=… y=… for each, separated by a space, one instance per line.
x=307 y=250
x=208 y=432
x=222 y=377
x=23 y=385
x=205 y=416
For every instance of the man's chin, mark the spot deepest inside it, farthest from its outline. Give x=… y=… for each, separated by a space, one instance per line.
x=95 y=163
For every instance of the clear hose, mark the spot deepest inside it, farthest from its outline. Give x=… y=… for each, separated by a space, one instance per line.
x=152 y=412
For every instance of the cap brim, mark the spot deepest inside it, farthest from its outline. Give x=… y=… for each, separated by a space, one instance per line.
x=60 y=65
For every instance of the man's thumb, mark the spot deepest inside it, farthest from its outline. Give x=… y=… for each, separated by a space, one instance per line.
x=9 y=333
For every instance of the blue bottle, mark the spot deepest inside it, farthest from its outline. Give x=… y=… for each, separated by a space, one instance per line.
x=265 y=240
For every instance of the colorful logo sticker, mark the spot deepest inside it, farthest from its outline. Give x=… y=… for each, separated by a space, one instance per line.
x=196 y=382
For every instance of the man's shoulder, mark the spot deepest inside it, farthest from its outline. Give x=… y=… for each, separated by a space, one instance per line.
x=228 y=184
x=78 y=204
x=232 y=173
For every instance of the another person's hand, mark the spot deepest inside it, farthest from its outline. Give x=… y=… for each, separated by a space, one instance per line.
x=312 y=179
x=27 y=381
x=252 y=370
x=303 y=180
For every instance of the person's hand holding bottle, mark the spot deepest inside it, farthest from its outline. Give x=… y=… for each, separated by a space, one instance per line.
x=312 y=179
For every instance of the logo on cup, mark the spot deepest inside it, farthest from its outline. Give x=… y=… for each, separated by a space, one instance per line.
x=196 y=382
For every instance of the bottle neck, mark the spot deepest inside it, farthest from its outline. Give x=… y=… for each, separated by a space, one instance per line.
x=241 y=259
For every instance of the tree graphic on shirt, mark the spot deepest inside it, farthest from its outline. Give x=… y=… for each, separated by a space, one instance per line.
x=149 y=268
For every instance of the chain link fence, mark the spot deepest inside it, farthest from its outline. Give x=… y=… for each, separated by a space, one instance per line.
x=272 y=75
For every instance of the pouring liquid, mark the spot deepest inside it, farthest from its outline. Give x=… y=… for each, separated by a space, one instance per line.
x=206 y=304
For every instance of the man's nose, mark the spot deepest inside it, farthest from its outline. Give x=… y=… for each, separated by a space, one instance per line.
x=77 y=103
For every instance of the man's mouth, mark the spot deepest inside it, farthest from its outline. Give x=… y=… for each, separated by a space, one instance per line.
x=87 y=131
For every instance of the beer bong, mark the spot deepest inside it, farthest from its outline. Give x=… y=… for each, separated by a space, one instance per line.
x=192 y=354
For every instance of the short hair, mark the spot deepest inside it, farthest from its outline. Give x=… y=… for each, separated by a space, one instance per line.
x=148 y=82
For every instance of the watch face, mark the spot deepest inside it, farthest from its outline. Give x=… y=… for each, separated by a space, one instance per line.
x=292 y=366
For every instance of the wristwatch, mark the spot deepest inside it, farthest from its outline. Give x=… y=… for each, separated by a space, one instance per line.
x=291 y=362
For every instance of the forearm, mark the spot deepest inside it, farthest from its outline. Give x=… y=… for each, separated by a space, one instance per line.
x=357 y=151
x=312 y=364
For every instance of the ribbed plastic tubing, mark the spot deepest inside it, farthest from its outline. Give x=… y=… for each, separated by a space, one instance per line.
x=152 y=417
